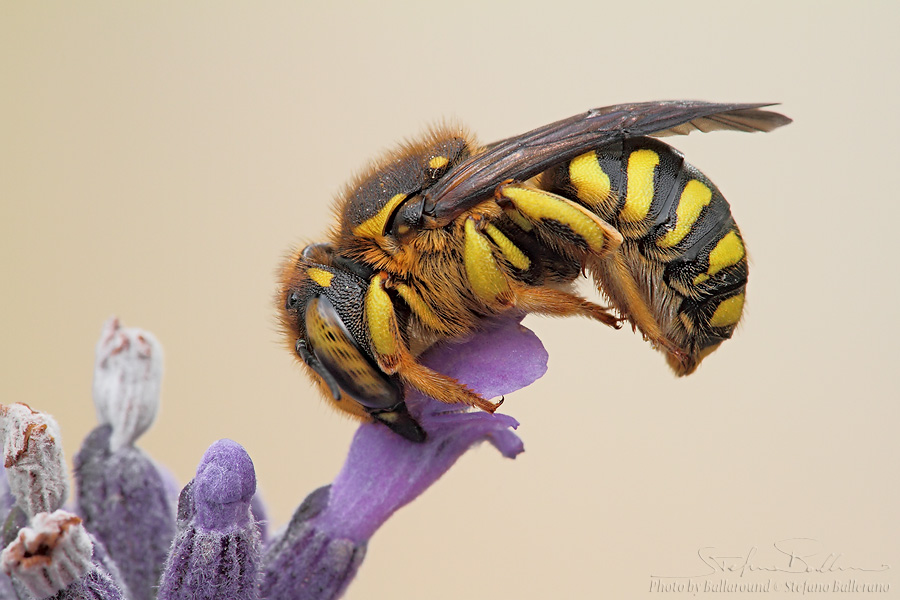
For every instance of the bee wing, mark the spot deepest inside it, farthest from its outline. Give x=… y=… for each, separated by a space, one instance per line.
x=524 y=156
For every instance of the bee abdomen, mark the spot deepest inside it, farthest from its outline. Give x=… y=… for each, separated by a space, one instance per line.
x=682 y=247
x=629 y=184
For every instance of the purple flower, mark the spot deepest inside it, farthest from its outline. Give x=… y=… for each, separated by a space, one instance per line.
x=126 y=500
x=325 y=543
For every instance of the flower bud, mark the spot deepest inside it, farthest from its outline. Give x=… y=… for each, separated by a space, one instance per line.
x=53 y=555
x=33 y=457
x=127 y=378
x=216 y=551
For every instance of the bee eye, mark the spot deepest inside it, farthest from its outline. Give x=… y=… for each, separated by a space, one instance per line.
x=405 y=221
x=292 y=299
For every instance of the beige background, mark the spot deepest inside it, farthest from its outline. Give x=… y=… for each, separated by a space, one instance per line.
x=157 y=161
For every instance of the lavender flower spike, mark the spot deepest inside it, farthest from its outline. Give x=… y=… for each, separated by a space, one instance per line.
x=52 y=557
x=216 y=552
x=123 y=497
x=324 y=544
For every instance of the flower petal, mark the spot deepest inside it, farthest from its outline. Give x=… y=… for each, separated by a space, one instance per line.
x=503 y=357
x=384 y=472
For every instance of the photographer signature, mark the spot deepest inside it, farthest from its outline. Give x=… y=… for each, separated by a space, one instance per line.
x=794 y=555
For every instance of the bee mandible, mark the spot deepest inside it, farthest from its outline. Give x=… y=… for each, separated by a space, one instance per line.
x=444 y=233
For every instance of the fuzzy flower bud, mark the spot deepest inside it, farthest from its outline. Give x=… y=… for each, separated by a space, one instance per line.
x=216 y=552
x=33 y=458
x=50 y=555
x=127 y=376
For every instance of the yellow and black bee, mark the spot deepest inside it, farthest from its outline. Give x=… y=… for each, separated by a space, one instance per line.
x=443 y=233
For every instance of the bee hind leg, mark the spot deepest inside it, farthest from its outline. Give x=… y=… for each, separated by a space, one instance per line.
x=560 y=221
x=616 y=281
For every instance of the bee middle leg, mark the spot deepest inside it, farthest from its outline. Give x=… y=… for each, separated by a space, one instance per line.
x=557 y=303
x=496 y=288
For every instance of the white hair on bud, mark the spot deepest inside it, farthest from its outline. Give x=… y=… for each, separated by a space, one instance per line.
x=33 y=457
x=50 y=554
x=127 y=376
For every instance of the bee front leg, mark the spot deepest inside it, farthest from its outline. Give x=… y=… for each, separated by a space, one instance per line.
x=393 y=356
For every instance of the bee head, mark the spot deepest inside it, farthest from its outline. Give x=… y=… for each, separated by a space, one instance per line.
x=323 y=322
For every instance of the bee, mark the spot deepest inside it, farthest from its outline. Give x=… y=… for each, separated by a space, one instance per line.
x=443 y=233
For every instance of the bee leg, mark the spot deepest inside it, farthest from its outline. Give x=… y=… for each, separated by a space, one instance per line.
x=493 y=286
x=393 y=356
x=441 y=387
x=549 y=301
x=485 y=276
x=559 y=221
x=616 y=281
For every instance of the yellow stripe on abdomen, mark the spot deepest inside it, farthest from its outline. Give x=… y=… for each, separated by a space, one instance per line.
x=639 y=195
x=591 y=182
x=728 y=312
x=729 y=251
x=694 y=198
